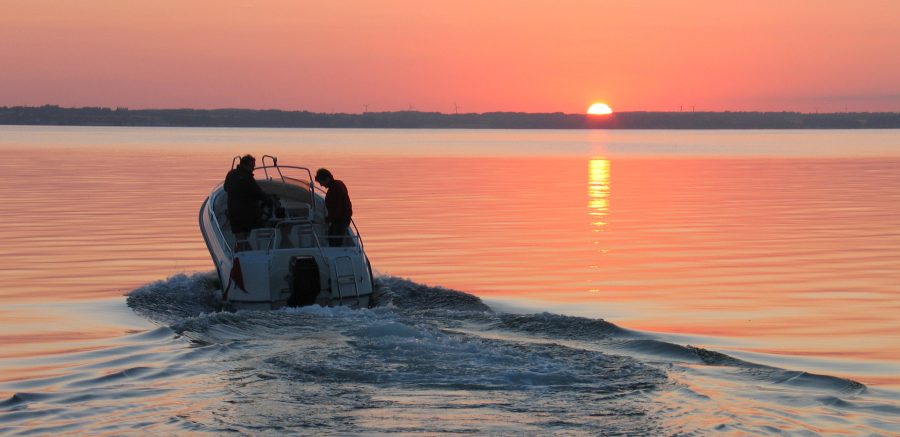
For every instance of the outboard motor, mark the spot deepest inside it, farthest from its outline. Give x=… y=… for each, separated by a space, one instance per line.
x=303 y=278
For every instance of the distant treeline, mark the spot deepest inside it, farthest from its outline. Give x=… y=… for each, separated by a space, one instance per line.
x=55 y=115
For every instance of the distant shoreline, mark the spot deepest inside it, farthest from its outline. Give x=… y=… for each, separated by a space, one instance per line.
x=51 y=115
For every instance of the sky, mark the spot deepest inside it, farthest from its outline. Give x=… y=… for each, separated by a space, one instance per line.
x=446 y=56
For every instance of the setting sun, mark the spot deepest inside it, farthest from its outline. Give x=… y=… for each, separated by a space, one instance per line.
x=599 y=109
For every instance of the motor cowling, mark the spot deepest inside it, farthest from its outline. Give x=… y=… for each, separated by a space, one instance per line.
x=303 y=278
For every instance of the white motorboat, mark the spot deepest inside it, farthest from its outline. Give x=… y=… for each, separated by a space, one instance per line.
x=290 y=261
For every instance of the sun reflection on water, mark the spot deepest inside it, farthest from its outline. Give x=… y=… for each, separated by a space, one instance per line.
x=598 y=191
x=598 y=205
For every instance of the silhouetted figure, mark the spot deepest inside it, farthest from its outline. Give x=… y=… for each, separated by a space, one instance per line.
x=337 y=202
x=245 y=198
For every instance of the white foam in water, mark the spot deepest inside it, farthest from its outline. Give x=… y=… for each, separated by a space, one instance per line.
x=427 y=360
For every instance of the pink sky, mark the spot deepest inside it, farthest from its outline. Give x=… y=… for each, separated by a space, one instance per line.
x=496 y=55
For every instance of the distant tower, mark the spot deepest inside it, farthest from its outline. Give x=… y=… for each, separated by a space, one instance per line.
x=365 y=108
x=455 y=108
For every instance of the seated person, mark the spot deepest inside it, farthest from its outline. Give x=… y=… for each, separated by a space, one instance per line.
x=245 y=198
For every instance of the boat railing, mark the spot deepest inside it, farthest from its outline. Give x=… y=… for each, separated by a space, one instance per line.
x=352 y=223
x=265 y=168
x=270 y=165
x=352 y=235
x=278 y=174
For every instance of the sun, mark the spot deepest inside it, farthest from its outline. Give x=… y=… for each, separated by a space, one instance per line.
x=599 y=109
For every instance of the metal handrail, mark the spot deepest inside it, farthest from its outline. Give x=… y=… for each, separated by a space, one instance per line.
x=312 y=187
x=274 y=165
x=264 y=168
x=358 y=236
x=355 y=234
x=353 y=223
x=316 y=237
x=312 y=191
x=337 y=285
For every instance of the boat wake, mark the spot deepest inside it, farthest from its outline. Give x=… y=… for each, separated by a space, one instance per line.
x=431 y=359
x=428 y=360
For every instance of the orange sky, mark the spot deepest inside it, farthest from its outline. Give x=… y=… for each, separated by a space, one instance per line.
x=497 y=55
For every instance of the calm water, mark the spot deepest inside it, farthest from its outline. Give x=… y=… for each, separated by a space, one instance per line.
x=774 y=255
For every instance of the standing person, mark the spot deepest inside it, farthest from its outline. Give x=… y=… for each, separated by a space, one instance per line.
x=245 y=198
x=337 y=202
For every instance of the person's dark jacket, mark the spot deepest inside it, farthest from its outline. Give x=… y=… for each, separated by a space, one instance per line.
x=337 y=201
x=244 y=198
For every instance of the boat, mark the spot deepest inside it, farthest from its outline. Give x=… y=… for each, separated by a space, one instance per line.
x=290 y=261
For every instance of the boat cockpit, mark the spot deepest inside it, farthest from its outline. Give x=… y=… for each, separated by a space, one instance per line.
x=297 y=220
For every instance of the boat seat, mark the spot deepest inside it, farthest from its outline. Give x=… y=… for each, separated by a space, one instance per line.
x=263 y=239
x=301 y=235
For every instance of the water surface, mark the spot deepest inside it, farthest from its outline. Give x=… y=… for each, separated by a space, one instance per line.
x=777 y=248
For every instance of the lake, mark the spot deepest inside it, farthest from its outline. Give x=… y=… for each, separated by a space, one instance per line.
x=633 y=282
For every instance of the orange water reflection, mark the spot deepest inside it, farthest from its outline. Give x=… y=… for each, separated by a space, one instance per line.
x=598 y=204
x=777 y=255
x=769 y=251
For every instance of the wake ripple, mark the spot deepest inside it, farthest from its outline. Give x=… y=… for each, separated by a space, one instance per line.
x=425 y=360
x=188 y=303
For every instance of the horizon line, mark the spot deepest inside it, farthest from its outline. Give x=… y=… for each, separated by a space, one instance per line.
x=125 y=108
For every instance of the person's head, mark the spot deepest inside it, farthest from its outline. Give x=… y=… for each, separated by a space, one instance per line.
x=324 y=177
x=248 y=162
